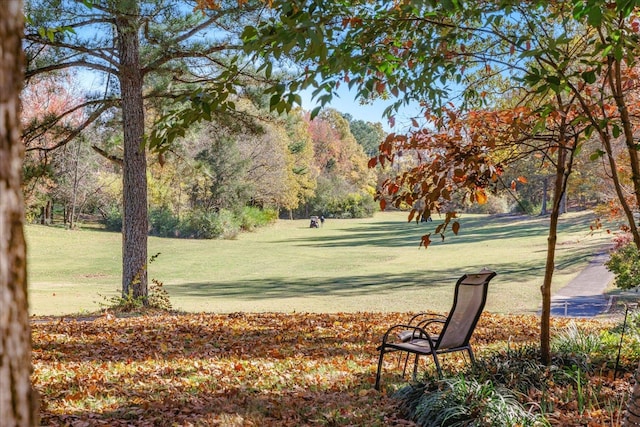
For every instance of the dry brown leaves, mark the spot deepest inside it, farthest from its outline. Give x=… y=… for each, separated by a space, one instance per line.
x=226 y=370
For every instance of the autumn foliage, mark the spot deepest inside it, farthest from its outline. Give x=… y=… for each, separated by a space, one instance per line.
x=243 y=369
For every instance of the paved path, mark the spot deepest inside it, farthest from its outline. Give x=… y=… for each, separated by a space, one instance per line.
x=583 y=296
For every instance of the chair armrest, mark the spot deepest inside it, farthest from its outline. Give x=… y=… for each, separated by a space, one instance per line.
x=409 y=334
x=414 y=331
x=424 y=313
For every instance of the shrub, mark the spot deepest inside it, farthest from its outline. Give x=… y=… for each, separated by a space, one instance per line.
x=624 y=262
x=163 y=222
x=495 y=205
x=113 y=220
x=210 y=225
x=574 y=340
x=518 y=369
x=526 y=207
x=352 y=205
x=158 y=296
x=252 y=218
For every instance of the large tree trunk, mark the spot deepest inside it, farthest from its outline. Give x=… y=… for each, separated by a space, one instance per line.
x=18 y=405
x=135 y=222
x=616 y=80
x=632 y=415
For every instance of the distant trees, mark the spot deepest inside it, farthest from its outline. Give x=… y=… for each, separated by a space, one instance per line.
x=345 y=185
x=368 y=134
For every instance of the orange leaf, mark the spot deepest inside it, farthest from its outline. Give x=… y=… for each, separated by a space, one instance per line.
x=522 y=179
x=481 y=196
x=383 y=204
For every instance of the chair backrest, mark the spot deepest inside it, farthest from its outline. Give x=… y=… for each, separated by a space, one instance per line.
x=468 y=302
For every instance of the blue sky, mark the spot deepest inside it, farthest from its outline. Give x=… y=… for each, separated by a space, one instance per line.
x=346 y=103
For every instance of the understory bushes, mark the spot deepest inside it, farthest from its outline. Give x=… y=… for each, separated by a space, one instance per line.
x=512 y=387
x=344 y=205
x=200 y=224
x=624 y=262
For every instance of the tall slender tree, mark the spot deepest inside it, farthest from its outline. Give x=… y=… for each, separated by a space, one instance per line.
x=18 y=405
x=151 y=55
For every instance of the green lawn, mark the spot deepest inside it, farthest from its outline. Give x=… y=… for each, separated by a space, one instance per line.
x=348 y=265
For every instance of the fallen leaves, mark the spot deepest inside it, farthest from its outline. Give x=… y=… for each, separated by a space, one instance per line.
x=239 y=369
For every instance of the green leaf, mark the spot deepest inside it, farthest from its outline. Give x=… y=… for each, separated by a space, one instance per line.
x=588 y=131
x=578 y=150
x=268 y=69
x=594 y=17
x=618 y=53
x=315 y=112
x=616 y=131
x=553 y=80
x=589 y=76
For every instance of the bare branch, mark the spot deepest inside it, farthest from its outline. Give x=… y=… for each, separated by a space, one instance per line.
x=112 y=157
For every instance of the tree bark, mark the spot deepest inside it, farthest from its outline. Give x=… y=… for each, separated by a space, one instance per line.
x=632 y=414
x=18 y=405
x=135 y=221
x=545 y=184
x=545 y=289
x=564 y=164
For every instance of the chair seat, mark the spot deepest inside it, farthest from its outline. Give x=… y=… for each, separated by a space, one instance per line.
x=407 y=335
x=418 y=345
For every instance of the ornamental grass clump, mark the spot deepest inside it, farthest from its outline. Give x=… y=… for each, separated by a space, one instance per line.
x=463 y=402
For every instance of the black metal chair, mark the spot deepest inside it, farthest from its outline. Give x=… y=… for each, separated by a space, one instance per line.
x=456 y=329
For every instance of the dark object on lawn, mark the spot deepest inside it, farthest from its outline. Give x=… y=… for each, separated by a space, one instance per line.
x=315 y=222
x=469 y=298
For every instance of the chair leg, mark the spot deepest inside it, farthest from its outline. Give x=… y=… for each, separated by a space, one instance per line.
x=404 y=368
x=406 y=362
x=415 y=367
x=471 y=356
x=379 y=371
x=437 y=363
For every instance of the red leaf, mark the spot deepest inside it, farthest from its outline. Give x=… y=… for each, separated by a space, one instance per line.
x=455 y=227
x=425 y=241
x=383 y=204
